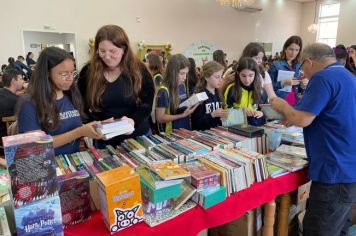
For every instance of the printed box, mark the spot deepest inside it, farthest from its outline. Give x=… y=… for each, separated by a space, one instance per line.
x=120 y=198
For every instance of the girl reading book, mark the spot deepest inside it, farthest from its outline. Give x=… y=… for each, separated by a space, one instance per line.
x=171 y=93
x=245 y=91
x=209 y=112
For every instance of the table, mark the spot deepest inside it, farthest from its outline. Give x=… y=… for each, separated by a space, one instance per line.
x=198 y=219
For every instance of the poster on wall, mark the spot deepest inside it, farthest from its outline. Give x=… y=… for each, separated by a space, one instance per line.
x=200 y=51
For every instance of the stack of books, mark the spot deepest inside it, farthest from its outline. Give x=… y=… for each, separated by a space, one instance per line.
x=292 y=150
x=110 y=129
x=286 y=161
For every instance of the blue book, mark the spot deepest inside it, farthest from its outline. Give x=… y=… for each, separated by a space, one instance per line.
x=40 y=218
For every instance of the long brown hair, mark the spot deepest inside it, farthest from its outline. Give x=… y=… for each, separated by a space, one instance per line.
x=130 y=66
x=170 y=80
x=155 y=64
x=249 y=64
x=293 y=39
x=42 y=92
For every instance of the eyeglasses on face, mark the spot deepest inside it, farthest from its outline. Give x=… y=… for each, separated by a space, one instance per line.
x=66 y=74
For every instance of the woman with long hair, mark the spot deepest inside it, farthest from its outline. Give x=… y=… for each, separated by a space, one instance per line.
x=53 y=102
x=289 y=61
x=171 y=93
x=245 y=92
x=119 y=84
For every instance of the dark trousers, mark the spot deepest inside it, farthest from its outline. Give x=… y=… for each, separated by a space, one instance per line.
x=329 y=209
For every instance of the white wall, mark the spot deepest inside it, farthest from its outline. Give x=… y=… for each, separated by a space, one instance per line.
x=180 y=22
x=308 y=11
x=346 y=33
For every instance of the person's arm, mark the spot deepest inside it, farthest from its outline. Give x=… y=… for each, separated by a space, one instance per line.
x=86 y=130
x=292 y=116
x=268 y=87
x=162 y=117
x=273 y=72
x=316 y=98
x=28 y=121
x=144 y=109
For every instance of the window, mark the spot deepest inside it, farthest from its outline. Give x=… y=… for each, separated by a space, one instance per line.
x=328 y=22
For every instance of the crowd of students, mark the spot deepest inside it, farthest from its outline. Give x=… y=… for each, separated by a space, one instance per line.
x=115 y=84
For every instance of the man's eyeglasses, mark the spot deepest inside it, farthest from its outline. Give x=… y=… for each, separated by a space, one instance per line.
x=66 y=74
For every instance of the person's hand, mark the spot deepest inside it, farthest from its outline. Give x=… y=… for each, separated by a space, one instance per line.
x=277 y=103
x=131 y=122
x=220 y=113
x=190 y=110
x=230 y=76
x=303 y=83
x=285 y=123
x=290 y=82
x=258 y=114
x=88 y=130
x=249 y=112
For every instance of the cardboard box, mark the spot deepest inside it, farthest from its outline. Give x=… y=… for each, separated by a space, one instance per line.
x=120 y=198
x=244 y=226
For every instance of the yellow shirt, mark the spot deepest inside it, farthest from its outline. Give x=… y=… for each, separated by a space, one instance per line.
x=245 y=101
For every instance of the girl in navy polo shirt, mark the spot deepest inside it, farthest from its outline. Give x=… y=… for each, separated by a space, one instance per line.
x=53 y=103
x=208 y=113
x=171 y=93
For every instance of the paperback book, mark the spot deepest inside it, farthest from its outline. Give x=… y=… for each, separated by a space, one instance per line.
x=194 y=99
x=292 y=150
x=287 y=162
x=168 y=169
x=110 y=129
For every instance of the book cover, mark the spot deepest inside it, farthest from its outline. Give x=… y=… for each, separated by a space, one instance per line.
x=194 y=99
x=120 y=198
x=32 y=168
x=150 y=208
x=154 y=180
x=187 y=192
x=169 y=170
x=201 y=175
x=292 y=150
x=288 y=162
x=276 y=171
x=74 y=195
x=40 y=218
x=246 y=130
x=270 y=113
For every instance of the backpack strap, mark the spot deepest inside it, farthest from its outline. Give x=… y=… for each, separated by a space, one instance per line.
x=168 y=129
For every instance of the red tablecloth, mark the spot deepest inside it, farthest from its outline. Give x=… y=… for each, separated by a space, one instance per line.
x=197 y=219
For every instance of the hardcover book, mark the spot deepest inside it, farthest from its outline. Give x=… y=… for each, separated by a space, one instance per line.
x=40 y=218
x=151 y=208
x=246 y=130
x=120 y=198
x=32 y=167
x=187 y=193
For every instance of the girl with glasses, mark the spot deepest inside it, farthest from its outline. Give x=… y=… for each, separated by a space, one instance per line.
x=53 y=103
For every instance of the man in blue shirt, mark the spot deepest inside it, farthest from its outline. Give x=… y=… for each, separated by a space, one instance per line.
x=328 y=116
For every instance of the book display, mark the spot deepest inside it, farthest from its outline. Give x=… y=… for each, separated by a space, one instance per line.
x=151 y=178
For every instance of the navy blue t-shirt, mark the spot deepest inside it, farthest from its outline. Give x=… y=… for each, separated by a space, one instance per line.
x=69 y=120
x=163 y=101
x=330 y=138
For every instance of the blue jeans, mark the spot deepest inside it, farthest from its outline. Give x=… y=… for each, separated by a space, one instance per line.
x=329 y=209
